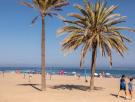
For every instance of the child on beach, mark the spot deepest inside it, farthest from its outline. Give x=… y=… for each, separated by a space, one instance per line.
x=122 y=86
x=130 y=88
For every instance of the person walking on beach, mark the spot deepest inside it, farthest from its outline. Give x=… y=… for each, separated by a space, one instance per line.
x=3 y=73
x=130 y=88
x=50 y=76
x=122 y=86
x=30 y=76
x=78 y=75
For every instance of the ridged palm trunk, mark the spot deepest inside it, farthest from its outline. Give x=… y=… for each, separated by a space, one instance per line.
x=93 y=67
x=43 y=69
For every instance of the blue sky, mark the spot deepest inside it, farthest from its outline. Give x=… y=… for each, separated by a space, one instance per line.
x=20 y=43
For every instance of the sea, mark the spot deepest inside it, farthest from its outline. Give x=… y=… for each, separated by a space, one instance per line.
x=70 y=71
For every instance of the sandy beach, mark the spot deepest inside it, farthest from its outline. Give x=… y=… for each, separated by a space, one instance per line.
x=14 y=88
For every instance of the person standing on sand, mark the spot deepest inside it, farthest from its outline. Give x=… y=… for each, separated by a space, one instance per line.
x=78 y=75
x=122 y=86
x=3 y=73
x=24 y=75
x=50 y=76
x=30 y=76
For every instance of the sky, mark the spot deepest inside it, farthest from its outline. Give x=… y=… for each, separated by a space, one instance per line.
x=20 y=43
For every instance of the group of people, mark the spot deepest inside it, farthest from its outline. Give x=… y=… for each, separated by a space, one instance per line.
x=126 y=86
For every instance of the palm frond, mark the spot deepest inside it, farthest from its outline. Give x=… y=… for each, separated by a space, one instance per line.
x=27 y=4
x=95 y=25
x=47 y=7
x=34 y=20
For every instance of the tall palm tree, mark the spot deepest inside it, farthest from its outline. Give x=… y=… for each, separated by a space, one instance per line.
x=45 y=8
x=92 y=29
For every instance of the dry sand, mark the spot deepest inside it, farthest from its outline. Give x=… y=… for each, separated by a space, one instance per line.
x=14 y=88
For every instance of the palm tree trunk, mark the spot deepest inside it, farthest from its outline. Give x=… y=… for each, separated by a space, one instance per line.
x=93 y=67
x=43 y=70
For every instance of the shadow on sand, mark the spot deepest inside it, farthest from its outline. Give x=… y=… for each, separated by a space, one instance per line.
x=68 y=87
x=32 y=85
x=76 y=87
x=117 y=95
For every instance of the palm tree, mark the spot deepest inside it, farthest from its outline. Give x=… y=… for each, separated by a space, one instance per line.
x=93 y=29
x=45 y=8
